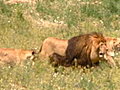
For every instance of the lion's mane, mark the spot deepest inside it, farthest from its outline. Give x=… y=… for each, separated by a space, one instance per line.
x=80 y=47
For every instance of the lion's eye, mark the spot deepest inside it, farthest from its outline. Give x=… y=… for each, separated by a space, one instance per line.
x=114 y=42
x=107 y=49
x=101 y=44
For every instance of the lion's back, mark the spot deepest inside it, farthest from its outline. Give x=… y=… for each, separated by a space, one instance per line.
x=7 y=55
x=53 y=45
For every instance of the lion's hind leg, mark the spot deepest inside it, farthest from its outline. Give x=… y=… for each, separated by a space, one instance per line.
x=54 y=60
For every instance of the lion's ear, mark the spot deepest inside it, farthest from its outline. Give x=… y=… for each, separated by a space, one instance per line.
x=116 y=41
x=35 y=50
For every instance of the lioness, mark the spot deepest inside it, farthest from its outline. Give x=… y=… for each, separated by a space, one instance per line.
x=17 y=56
x=53 y=45
x=113 y=46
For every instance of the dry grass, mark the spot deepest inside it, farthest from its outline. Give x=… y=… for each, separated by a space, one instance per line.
x=25 y=25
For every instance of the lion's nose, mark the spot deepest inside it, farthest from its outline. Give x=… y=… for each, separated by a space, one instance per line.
x=101 y=54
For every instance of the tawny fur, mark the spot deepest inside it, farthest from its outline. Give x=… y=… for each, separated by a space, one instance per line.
x=111 y=43
x=17 y=56
x=84 y=48
x=53 y=45
x=117 y=44
x=112 y=46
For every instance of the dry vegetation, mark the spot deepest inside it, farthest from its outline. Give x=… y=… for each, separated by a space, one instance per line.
x=26 y=25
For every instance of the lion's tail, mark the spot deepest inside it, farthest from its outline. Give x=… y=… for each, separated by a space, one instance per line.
x=36 y=50
x=40 y=48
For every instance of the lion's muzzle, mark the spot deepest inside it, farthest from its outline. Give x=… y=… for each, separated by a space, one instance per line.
x=101 y=55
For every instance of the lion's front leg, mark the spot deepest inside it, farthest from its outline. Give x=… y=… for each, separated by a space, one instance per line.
x=110 y=60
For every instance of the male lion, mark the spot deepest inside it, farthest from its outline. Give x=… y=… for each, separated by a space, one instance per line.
x=53 y=45
x=87 y=49
x=111 y=44
x=15 y=56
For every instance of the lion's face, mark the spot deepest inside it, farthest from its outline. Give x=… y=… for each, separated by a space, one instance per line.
x=113 y=44
x=102 y=49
